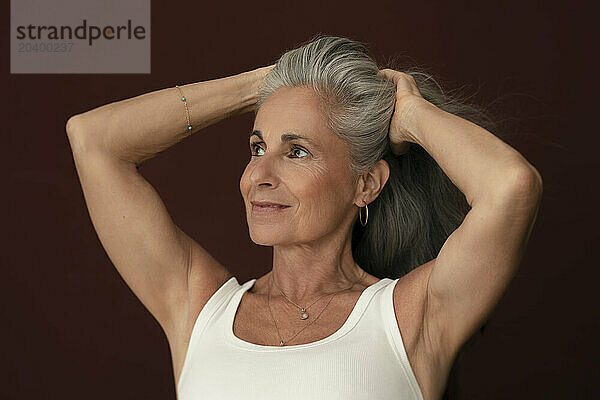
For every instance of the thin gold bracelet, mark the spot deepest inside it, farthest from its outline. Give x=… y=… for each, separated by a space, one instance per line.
x=187 y=111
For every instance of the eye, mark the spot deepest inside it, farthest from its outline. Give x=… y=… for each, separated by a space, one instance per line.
x=298 y=148
x=253 y=147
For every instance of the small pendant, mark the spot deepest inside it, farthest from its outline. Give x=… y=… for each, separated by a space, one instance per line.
x=304 y=314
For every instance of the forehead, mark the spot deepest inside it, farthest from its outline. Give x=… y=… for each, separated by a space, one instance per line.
x=293 y=109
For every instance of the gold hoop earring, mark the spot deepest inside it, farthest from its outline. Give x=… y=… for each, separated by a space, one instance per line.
x=359 y=215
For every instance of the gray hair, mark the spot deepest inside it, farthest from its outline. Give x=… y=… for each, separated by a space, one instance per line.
x=419 y=207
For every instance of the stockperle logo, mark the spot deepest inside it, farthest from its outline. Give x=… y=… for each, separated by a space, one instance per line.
x=80 y=36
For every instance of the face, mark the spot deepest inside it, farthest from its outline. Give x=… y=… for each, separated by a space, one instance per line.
x=311 y=176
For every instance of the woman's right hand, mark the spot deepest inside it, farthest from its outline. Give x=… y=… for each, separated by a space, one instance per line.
x=407 y=93
x=260 y=74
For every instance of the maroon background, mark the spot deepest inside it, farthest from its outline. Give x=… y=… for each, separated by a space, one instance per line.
x=72 y=329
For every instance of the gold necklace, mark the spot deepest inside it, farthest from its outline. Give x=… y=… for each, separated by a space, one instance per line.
x=304 y=313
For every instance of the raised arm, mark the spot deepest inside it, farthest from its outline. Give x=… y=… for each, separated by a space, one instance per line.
x=479 y=259
x=156 y=259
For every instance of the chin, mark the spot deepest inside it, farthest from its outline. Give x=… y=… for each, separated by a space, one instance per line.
x=266 y=237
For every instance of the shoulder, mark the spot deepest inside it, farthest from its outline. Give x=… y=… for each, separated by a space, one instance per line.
x=410 y=308
x=420 y=332
x=200 y=294
x=410 y=304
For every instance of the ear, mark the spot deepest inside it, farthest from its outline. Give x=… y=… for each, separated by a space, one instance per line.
x=371 y=183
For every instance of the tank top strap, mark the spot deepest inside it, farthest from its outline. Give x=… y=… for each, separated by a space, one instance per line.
x=365 y=303
x=218 y=300
x=215 y=303
x=394 y=335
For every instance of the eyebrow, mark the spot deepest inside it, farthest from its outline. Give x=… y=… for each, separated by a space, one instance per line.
x=286 y=137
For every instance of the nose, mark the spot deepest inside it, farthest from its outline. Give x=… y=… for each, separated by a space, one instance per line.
x=264 y=171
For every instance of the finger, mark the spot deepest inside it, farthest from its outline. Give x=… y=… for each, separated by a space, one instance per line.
x=389 y=75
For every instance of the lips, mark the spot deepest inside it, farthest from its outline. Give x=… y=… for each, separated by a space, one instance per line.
x=266 y=204
x=264 y=207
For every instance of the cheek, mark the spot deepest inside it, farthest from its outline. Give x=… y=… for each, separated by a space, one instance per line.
x=323 y=193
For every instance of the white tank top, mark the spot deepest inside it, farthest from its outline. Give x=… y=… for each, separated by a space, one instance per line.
x=364 y=359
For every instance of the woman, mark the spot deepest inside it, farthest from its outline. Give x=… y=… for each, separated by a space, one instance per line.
x=396 y=226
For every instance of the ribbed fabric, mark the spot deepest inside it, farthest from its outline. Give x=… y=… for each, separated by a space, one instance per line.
x=364 y=359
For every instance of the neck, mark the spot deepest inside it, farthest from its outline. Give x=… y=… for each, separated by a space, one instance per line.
x=305 y=273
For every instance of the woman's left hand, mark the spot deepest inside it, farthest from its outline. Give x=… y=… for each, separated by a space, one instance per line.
x=407 y=94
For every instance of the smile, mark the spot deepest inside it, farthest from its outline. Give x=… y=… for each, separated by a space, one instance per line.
x=267 y=209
